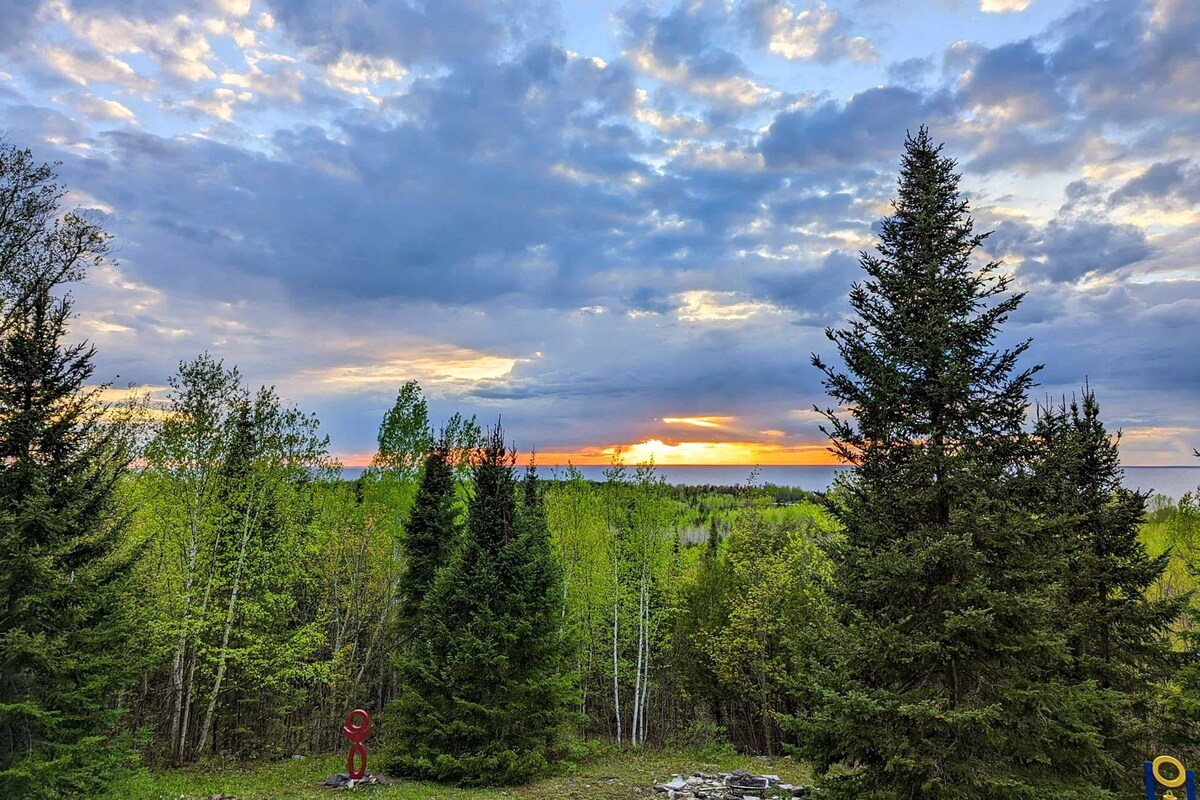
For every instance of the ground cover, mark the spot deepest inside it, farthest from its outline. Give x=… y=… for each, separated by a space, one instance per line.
x=608 y=775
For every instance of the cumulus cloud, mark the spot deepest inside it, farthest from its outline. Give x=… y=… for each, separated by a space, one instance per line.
x=867 y=127
x=815 y=32
x=1013 y=82
x=598 y=237
x=423 y=31
x=1067 y=249
x=1177 y=181
x=1003 y=6
x=1127 y=61
x=82 y=67
x=707 y=306
x=101 y=108
x=684 y=49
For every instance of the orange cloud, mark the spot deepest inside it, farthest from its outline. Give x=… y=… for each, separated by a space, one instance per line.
x=698 y=422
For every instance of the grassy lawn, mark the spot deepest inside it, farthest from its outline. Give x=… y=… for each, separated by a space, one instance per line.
x=615 y=775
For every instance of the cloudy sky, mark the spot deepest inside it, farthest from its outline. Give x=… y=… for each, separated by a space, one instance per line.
x=614 y=223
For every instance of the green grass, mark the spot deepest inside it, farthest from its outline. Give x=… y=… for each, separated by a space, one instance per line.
x=612 y=775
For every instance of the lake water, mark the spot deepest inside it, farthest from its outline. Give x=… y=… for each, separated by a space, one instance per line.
x=1169 y=481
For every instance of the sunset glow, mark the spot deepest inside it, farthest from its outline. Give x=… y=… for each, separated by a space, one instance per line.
x=695 y=454
x=698 y=422
x=439 y=365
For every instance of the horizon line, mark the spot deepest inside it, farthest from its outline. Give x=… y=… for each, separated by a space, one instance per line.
x=772 y=466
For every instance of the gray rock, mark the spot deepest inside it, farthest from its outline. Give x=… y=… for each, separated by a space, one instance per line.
x=342 y=780
x=738 y=785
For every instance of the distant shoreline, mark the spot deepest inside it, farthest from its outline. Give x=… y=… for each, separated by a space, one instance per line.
x=1169 y=481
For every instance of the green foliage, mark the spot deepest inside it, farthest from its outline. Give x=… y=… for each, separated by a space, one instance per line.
x=484 y=691
x=1181 y=703
x=64 y=632
x=643 y=565
x=432 y=533
x=404 y=435
x=575 y=516
x=945 y=681
x=778 y=616
x=752 y=619
x=227 y=502
x=703 y=618
x=1117 y=633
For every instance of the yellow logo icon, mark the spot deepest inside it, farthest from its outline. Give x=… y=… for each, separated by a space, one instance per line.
x=1170 y=783
x=1174 y=776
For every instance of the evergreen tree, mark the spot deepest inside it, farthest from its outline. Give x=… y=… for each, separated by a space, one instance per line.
x=946 y=680
x=431 y=533
x=1118 y=635
x=484 y=695
x=1181 y=705
x=63 y=636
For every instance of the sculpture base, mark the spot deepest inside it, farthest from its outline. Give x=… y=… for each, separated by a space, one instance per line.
x=343 y=781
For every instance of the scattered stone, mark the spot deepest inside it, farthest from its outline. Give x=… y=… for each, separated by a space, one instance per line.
x=298 y=757
x=738 y=785
x=343 y=781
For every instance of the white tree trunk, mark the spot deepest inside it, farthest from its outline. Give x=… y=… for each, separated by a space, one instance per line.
x=646 y=672
x=616 y=662
x=223 y=653
x=635 y=725
x=177 y=666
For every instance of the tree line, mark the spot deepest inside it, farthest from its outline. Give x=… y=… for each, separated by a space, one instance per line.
x=976 y=608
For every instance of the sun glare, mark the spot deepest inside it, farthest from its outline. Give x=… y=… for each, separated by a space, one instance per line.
x=664 y=453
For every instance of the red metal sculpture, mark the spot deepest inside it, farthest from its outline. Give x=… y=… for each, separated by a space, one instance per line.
x=358 y=725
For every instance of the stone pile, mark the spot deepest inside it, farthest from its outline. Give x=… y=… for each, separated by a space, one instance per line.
x=729 y=786
x=343 y=781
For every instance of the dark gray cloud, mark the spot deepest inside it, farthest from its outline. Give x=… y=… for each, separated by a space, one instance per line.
x=817 y=294
x=911 y=73
x=1177 y=180
x=378 y=211
x=138 y=9
x=1072 y=250
x=16 y=22
x=1017 y=150
x=1066 y=249
x=413 y=32
x=1016 y=79
x=1125 y=61
x=869 y=127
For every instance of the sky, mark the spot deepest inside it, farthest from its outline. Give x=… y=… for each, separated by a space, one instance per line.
x=613 y=225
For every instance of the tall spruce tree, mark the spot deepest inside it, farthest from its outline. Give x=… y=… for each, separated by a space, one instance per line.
x=1182 y=704
x=1118 y=634
x=484 y=693
x=431 y=534
x=946 y=680
x=63 y=635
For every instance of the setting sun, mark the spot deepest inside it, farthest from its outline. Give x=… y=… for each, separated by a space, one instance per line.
x=696 y=454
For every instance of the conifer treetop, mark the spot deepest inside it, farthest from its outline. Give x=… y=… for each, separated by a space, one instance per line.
x=922 y=362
